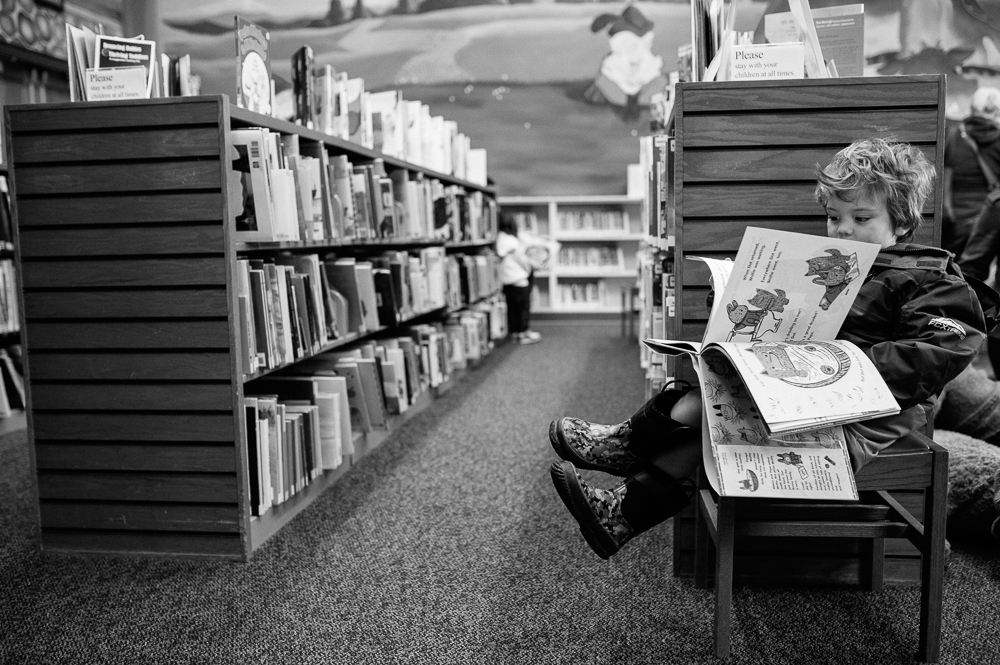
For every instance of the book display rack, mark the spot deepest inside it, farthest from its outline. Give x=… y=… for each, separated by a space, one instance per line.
x=136 y=337
x=598 y=239
x=744 y=154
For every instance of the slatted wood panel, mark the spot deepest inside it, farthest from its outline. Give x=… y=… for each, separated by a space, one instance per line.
x=746 y=154
x=747 y=151
x=120 y=212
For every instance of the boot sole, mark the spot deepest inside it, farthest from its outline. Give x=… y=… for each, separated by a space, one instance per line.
x=558 y=440
x=568 y=487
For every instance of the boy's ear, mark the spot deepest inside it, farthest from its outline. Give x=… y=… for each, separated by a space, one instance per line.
x=904 y=231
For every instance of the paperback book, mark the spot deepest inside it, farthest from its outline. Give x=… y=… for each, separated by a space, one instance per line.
x=776 y=383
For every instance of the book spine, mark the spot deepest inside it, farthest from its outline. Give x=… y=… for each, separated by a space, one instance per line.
x=302 y=86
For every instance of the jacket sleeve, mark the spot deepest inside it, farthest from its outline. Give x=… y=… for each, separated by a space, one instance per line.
x=937 y=333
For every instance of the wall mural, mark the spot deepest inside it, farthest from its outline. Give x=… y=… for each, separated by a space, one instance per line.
x=558 y=93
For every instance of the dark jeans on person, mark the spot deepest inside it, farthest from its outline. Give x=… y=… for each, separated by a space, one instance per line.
x=518 y=307
x=982 y=247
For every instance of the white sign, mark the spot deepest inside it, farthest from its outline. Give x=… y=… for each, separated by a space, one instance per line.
x=767 y=62
x=117 y=83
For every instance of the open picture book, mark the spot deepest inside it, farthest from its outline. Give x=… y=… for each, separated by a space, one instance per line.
x=776 y=383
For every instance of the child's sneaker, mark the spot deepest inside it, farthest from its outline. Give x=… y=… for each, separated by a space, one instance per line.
x=529 y=337
x=593 y=446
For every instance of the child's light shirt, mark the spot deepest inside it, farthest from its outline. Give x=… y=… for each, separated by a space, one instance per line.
x=510 y=249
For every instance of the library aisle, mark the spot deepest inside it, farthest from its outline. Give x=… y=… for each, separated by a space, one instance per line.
x=448 y=545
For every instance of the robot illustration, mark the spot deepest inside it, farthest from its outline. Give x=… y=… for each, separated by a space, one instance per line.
x=794 y=459
x=809 y=364
x=834 y=272
x=756 y=322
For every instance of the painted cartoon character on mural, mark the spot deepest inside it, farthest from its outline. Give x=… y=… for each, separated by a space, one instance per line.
x=835 y=272
x=629 y=74
x=756 y=322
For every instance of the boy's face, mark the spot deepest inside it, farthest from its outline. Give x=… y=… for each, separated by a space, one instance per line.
x=861 y=219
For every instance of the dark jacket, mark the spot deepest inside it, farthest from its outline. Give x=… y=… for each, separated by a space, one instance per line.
x=921 y=324
x=967 y=174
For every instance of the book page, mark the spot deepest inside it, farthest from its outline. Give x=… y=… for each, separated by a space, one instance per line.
x=721 y=271
x=742 y=459
x=673 y=347
x=788 y=286
x=802 y=385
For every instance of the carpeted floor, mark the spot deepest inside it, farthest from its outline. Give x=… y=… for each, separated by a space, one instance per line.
x=449 y=545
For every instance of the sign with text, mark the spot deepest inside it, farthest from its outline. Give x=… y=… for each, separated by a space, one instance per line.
x=117 y=83
x=767 y=62
x=121 y=52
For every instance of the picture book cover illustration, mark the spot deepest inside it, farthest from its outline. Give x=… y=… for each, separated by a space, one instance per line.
x=112 y=52
x=253 y=67
x=776 y=383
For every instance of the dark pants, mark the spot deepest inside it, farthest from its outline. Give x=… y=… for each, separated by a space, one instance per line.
x=518 y=307
x=982 y=247
x=652 y=494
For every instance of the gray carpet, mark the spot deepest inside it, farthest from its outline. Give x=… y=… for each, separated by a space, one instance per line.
x=448 y=545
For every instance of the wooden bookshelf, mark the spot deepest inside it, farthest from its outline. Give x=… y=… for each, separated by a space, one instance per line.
x=552 y=215
x=127 y=262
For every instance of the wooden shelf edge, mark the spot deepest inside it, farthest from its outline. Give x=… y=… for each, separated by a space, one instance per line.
x=580 y=310
x=251 y=119
x=569 y=199
x=597 y=236
x=268 y=524
x=343 y=341
x=587 y=274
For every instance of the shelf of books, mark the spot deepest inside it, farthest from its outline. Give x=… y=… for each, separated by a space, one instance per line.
x=224 y=312
x=598 y=238
x=656 y=259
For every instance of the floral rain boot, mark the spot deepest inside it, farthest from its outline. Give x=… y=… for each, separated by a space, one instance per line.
x=610 y=518
x=617 y=449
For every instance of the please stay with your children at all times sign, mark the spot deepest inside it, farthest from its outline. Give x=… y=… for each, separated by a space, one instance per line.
x=768 y=61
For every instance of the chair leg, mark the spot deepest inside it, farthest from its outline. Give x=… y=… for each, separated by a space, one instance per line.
x=701 y=540
x=932 y=568
x=724 y=576
x=873 y=550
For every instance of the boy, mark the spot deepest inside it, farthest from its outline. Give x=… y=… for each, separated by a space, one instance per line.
x=915 y=317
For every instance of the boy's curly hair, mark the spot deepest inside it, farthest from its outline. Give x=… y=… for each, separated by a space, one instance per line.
x=880 y=169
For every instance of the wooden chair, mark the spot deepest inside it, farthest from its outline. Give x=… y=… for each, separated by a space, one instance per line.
x=914 y=462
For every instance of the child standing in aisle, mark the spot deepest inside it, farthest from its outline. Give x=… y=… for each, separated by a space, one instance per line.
x=515 y=274
x=915 y=317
